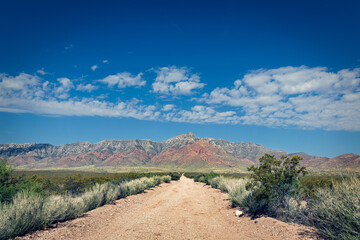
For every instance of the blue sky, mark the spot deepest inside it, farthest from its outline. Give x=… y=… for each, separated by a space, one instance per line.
x=283 y=74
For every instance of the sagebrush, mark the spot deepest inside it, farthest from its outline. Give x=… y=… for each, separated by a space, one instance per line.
x=30 y=211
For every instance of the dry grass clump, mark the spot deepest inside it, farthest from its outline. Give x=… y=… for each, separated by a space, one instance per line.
x=24 y=214
x=335 y=211
x=235 y=187
x=29 y=212
x=139 y=185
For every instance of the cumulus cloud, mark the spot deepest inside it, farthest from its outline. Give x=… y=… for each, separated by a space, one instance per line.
x=123 y=80
x=203 y=114
x=94 y=67
x=28 y=93
x=168 y=107
x=22 y=82
x=303 y=97
x=65 y=86
x=86 y=88
x=300 y=96
x=176 y=81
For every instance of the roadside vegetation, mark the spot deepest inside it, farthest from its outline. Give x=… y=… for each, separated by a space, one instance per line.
x=33 y=202
x=282 y=189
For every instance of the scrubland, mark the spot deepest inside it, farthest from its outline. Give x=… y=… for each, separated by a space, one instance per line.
x=31 y=211
x=34 y=202
x=330 y=204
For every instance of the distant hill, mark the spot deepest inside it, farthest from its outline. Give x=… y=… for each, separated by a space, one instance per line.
x=184 y=151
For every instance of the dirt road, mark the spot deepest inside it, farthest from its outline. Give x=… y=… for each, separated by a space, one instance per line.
x=178 y=210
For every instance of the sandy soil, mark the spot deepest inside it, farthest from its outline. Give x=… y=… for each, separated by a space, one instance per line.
x=177 y=210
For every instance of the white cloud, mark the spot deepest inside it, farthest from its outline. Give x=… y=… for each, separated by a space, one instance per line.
x=300 y=96
x=41 y=72
x=176 y=81
x=21 y=82
x=203 y=114
x=168 y=107
x=86 y=88
x=123 y=80
x=84 y=107
x=65 y=83
x=28 y=93
x=304 y=97
x=94 y=67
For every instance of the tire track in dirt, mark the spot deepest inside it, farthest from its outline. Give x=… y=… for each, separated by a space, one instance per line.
x=179 y=210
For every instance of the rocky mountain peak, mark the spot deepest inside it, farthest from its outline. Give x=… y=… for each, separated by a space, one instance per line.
x=181 y=141
x=347 y=155
x=188 y=135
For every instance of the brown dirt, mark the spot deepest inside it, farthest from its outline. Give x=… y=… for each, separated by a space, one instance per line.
x=178 y=210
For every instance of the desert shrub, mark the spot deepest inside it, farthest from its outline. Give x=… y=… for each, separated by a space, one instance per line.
x=205 y=177
x=191 y=174
x=335 y=211
x=235 y=187
x=120 y=191
x=99 y=195
x=214 y=182
x=201 y=178
x=10 y=185
x=134 y=187
x=7 y=189
x=237 y=191
x=58 y=208
x=272 y=183
x=168 y=179
x=140 y=185
x=221 y=183
x=175 y=176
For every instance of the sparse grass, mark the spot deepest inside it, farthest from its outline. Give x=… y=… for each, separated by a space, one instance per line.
x=29 y=211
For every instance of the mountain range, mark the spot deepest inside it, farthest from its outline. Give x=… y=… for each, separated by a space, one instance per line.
x=183 y=151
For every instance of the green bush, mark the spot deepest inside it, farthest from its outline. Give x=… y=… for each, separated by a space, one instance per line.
x=205 y=177
x=7 y=188
x=272 y=183
x=175 y=176
x=10 y=185
x=167 y=179
x=201 y=178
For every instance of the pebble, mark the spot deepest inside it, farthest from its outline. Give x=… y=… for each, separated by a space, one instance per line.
x=238 y=213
